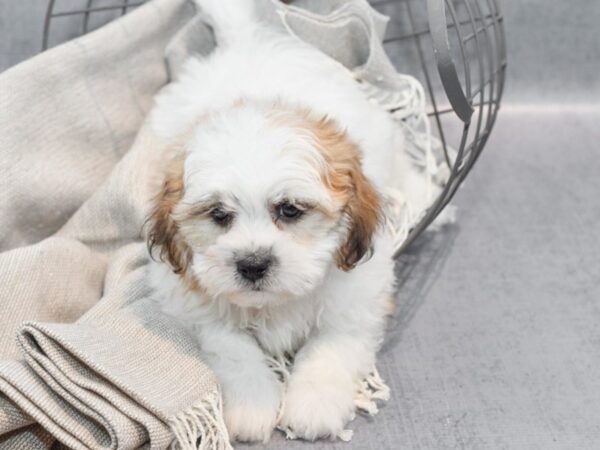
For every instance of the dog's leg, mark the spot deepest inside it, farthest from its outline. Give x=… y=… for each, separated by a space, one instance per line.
x=320 y=395
x=251 y=391
x=319 y=401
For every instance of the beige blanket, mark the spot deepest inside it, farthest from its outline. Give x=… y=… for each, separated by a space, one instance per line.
x=86 y=358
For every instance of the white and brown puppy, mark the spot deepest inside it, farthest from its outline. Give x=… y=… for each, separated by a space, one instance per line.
x=268 y=223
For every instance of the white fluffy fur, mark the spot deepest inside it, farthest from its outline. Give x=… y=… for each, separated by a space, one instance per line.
x=332 y=320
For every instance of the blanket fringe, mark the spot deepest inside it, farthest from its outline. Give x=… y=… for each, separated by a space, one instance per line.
x=201 y=426
x=369 y=390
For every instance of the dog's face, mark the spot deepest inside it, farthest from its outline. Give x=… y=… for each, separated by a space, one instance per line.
x=261 y=203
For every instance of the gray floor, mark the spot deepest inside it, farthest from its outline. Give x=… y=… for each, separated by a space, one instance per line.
x=496 y=343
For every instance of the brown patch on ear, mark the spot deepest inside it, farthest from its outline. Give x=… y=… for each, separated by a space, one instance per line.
x=163 y=234
x=364 y=212
x=346 y=180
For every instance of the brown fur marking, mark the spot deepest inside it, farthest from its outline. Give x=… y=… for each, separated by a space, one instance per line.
x=163 y=235
x=347 y=181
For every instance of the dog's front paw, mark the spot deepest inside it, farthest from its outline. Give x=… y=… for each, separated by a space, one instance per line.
x=251 y=407
x=317 y=407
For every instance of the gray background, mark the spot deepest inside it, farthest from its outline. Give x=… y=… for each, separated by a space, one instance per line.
x=496 y=342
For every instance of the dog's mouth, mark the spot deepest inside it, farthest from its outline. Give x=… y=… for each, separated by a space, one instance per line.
x=256 y=286
x=255 y=297
x=259 y=293
x=264 y=284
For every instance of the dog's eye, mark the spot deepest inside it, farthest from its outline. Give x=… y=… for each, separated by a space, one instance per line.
x=288 y=211
x=221 y=217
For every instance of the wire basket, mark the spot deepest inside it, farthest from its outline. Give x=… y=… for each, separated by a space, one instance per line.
x=456 y=48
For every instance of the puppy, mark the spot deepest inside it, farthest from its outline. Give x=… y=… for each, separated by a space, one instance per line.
x=268 y=225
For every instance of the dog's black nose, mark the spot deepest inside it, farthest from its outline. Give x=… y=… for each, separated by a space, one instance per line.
x=254 y=267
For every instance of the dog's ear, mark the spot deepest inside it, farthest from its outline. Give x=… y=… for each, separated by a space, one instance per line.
x=347 y=181
x=163 y=234
x=363 y=211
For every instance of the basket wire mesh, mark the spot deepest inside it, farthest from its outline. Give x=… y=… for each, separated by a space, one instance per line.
x=456 y=48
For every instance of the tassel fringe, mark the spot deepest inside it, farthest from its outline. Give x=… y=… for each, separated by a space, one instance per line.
x=201 y=427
